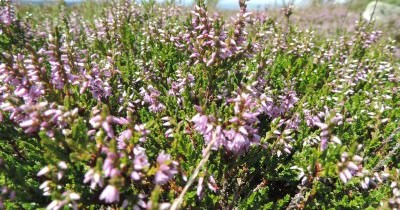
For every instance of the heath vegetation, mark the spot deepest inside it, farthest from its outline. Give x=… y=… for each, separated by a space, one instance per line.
x=119 y=105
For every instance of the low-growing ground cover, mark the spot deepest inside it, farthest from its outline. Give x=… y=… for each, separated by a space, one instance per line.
x=123 y=105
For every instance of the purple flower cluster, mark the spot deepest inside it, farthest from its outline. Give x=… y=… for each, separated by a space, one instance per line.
x=166 y=168
x=238 y=133
x=370 y=180
x=67 y=199
x=349 y=168
x=150 y=96
x=275 y=108
x=69 y=66
x=39 y=117
x=25 y=83
x=106 y=122
x=140 y=162
x=370 y=37
x=128 y=161
x=94 y=178
x=331 y=119
x=96 y=80
x=21 y=77
x=110 y=194
x=394 y=202
x=208 y=43
x=113 y=170
x=7 y=16
x=63 y=79
x=178 y=86
x=54 y=175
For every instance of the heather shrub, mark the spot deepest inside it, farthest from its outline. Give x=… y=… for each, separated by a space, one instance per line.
x=151 y=107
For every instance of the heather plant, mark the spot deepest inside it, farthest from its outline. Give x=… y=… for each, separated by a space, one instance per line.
x=151 y=107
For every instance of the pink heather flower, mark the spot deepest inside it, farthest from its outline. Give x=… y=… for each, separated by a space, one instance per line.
x=43 y=171
x=31 y=125
x=135 y=175
x=200 y=123
x=150 y=96
x=242 y=127
x=348 y=167
x=311 y=120
x=108 y=129
x=6 y=14
x=169 y=133
x=55 y=205
x=140 y=161
x=94 y=178
x=238 y=144
x=123 y=137
x=108 y=166
x=118 y=120
x=73 y=196
x=140 y=204
x=212 y=185
x=110 y=194
x=345 y=175
x=166 y=168
x=95 y=121
x=141 y=129
x=62 y=165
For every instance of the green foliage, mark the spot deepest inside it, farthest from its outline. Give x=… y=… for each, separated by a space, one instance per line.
x=351 y=76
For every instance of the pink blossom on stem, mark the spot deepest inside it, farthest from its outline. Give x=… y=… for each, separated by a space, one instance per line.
x=110 y=194
x=166 y=168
